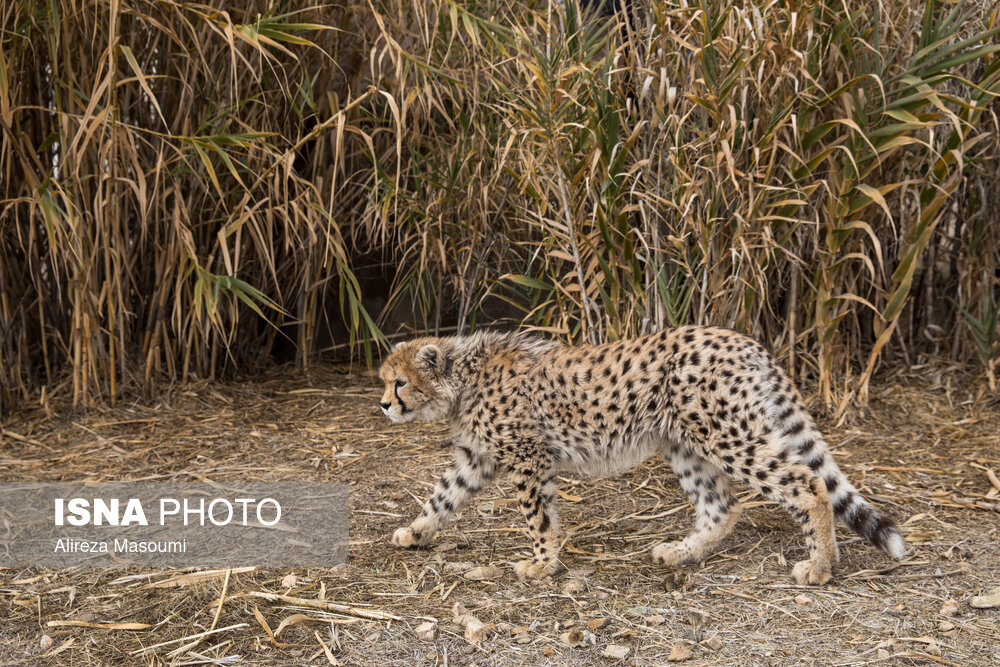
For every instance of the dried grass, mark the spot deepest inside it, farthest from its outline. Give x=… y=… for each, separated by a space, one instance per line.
x=175 y=175
x=927 y=440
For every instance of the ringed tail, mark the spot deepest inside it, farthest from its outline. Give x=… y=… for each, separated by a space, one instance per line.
x=859 y=514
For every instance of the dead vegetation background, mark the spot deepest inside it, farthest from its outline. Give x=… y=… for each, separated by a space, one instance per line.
x=925 y=454
x=175 y=175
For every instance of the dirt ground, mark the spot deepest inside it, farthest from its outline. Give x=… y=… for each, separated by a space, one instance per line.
x=924 y=453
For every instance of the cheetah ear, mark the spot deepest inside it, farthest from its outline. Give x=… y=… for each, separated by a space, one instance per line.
x=430 y=358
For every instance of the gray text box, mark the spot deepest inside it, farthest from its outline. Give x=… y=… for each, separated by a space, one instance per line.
x=268 y=524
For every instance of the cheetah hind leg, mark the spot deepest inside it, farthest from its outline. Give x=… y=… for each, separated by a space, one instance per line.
x=537 y=501
x=716 y=509
x=812 y=509
x=804 y=495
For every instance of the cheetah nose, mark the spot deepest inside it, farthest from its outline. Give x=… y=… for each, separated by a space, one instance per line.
x=385 y=405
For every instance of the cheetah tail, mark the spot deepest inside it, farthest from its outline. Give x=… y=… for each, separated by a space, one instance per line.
x=859 y=514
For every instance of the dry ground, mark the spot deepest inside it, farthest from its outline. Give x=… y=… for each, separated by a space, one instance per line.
x=922 y=453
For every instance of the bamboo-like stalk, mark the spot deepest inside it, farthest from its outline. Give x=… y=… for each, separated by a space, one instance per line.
x=185 y=187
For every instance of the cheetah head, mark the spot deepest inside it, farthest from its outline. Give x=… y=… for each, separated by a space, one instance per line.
x=415 y=389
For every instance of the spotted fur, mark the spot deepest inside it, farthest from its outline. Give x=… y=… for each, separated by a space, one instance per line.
x=712 y=401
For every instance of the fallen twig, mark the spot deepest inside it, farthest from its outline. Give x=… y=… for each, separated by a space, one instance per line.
x=189 y=637
x=99 y=626
x=974 y=504
x=373 y=614
x=215 y=621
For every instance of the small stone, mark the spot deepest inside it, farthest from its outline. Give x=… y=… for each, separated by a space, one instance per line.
x=679 y=652
x=475 y=630
x=655 y=620
x=949 y=608
x=601 y=596
x=803 y=599
x=446 y=546
x=933 y=649
x=426 y=632
x=574 y=587
x=945 y=626
x=548 y=651
x=289 y=581
x=45 y=643
x=988 y=601
x=714 y=643
x=615 y=651
x=520 y=630
x=882 y=654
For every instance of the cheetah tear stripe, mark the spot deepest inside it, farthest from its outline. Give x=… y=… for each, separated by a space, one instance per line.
x=713 y=402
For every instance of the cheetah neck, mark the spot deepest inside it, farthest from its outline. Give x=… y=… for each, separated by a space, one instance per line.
x=471 y=356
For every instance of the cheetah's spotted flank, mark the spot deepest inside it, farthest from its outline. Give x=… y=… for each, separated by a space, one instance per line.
x=712 y=401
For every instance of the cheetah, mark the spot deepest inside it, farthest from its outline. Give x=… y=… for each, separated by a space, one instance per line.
x=712 y=401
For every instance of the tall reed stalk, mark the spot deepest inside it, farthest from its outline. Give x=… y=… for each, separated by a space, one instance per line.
x=186 y=189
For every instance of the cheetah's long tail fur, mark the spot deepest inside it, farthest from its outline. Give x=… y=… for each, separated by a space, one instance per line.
x=854 y=510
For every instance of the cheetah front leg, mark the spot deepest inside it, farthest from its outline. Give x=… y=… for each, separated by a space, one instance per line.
x=716 y=509
x=464 y=478
x=536 y=498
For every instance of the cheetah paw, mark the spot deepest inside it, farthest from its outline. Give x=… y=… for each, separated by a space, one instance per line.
x=809 y=572
x=529 y=569
x=405 y=537
x=671 y=553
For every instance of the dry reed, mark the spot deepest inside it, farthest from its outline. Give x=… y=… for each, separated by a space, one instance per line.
x=183 y=187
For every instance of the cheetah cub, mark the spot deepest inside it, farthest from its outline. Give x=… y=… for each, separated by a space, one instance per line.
x=712 y=401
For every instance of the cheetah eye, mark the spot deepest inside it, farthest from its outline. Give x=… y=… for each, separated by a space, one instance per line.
x=400 y=382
